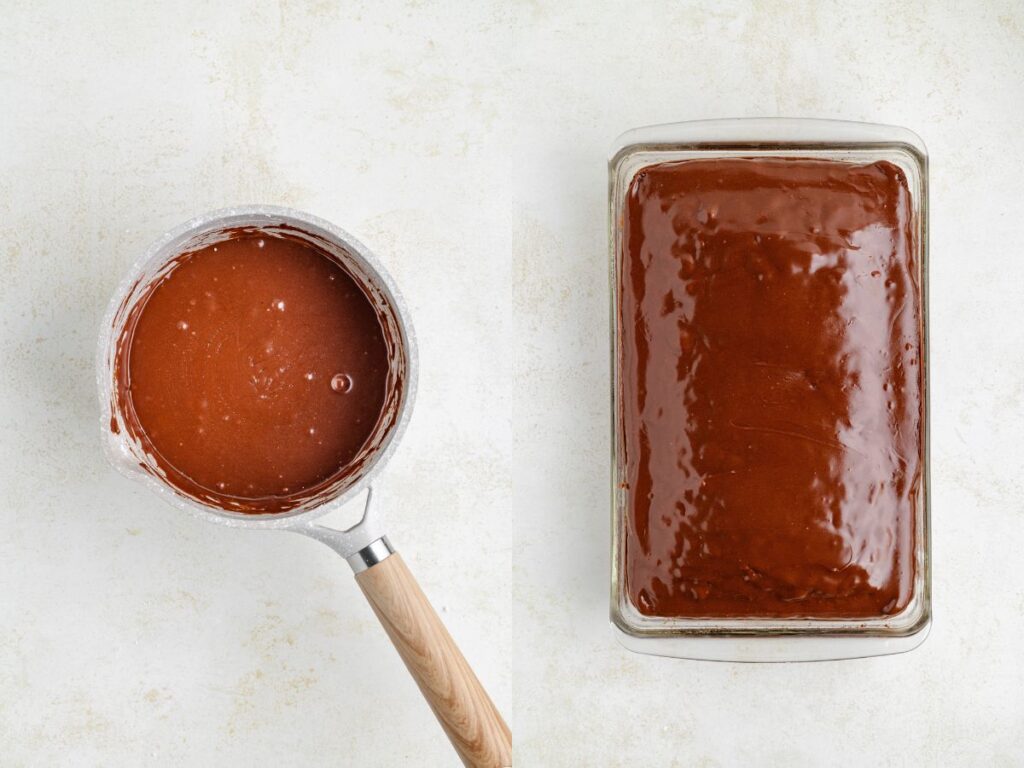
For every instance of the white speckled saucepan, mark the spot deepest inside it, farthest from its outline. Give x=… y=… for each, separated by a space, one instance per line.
x=473 y=724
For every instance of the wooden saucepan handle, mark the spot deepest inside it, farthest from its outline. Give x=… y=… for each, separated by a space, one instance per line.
x=462 y=706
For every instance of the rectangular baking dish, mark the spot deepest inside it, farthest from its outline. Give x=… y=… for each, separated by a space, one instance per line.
x=743 y=639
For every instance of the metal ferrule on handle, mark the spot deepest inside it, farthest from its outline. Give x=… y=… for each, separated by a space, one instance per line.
x=375 y=552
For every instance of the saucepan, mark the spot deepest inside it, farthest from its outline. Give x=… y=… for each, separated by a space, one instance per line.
x=462 y=706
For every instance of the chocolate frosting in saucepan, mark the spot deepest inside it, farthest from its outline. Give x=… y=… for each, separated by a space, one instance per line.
x=256 y=372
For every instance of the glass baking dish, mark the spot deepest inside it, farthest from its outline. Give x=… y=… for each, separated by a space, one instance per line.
x=759 y=639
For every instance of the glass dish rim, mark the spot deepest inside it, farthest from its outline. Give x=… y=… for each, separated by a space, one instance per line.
x=770 y=137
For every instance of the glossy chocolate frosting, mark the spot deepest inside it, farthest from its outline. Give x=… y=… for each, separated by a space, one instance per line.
x=253 y=372
x=770 y=388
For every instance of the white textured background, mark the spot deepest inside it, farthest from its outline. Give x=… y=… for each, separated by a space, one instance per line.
x=466 y=143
